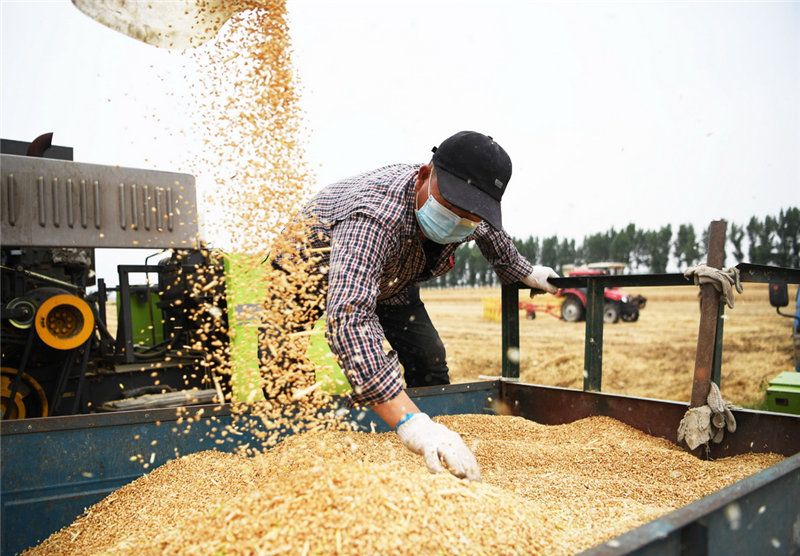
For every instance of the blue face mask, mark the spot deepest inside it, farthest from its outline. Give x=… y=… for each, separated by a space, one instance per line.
x=442 y=225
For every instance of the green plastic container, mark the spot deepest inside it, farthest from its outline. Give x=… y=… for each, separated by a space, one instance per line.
x=327 y=371
x=146 y=318
x=245 y=285
x=783 y=394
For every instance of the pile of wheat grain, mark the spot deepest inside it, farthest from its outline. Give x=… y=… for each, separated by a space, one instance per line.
x=546 y=490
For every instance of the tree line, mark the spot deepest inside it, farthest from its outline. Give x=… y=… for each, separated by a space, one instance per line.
x=775 y=240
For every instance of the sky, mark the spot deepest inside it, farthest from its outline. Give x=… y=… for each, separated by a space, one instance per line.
x=650 y=113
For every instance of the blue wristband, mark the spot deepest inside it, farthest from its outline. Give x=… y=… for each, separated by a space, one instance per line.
x=405 y=419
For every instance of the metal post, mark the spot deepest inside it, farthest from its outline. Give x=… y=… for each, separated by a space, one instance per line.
x=509 y=314
x=593 y=357
x=102 y=299
x=124 y=326
x=716 y=369
x=709 y=310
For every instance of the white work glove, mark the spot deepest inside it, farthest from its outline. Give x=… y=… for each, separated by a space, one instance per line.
x=695 y=427
x=722 y=418
x=707 y=422
x=438 y=444
x=538 y=279
x=723 y=280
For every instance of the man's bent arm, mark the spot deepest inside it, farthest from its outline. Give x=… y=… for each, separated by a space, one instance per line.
x=395 y=409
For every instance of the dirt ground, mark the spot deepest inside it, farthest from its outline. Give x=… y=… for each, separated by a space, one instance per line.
x=653 y=357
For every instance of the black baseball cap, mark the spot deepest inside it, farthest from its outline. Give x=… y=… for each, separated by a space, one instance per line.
x=473 y=172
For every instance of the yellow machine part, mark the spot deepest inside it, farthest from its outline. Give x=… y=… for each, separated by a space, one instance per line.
x=29 y=306
x=64 y=321
x=30 y=401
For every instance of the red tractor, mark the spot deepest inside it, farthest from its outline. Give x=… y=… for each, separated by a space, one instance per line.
x=618 y=304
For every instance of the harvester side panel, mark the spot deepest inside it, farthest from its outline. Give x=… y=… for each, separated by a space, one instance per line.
x=60 y=203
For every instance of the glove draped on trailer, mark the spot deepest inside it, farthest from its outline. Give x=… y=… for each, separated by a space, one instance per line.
x=707 y=422
x=722 y=279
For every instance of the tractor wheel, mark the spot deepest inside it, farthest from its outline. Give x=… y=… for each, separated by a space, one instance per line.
x=572 y=310
x=632 y=316
x=610 y=313
x=531 y=315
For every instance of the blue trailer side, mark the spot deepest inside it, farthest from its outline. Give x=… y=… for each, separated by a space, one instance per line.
x=53 y=468
x=757 y=515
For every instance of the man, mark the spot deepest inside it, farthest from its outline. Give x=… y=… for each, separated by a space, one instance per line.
x=372 y=239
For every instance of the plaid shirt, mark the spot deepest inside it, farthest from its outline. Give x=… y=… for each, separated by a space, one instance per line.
x=376 y=256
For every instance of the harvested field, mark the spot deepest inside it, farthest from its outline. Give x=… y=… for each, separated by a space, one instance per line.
x=653 y=357
x=546 y=490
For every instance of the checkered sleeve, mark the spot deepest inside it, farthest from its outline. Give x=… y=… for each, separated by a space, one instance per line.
x=499 y=249
x=359 y=244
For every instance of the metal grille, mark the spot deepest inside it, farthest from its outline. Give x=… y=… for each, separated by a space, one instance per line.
x=59 y=203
